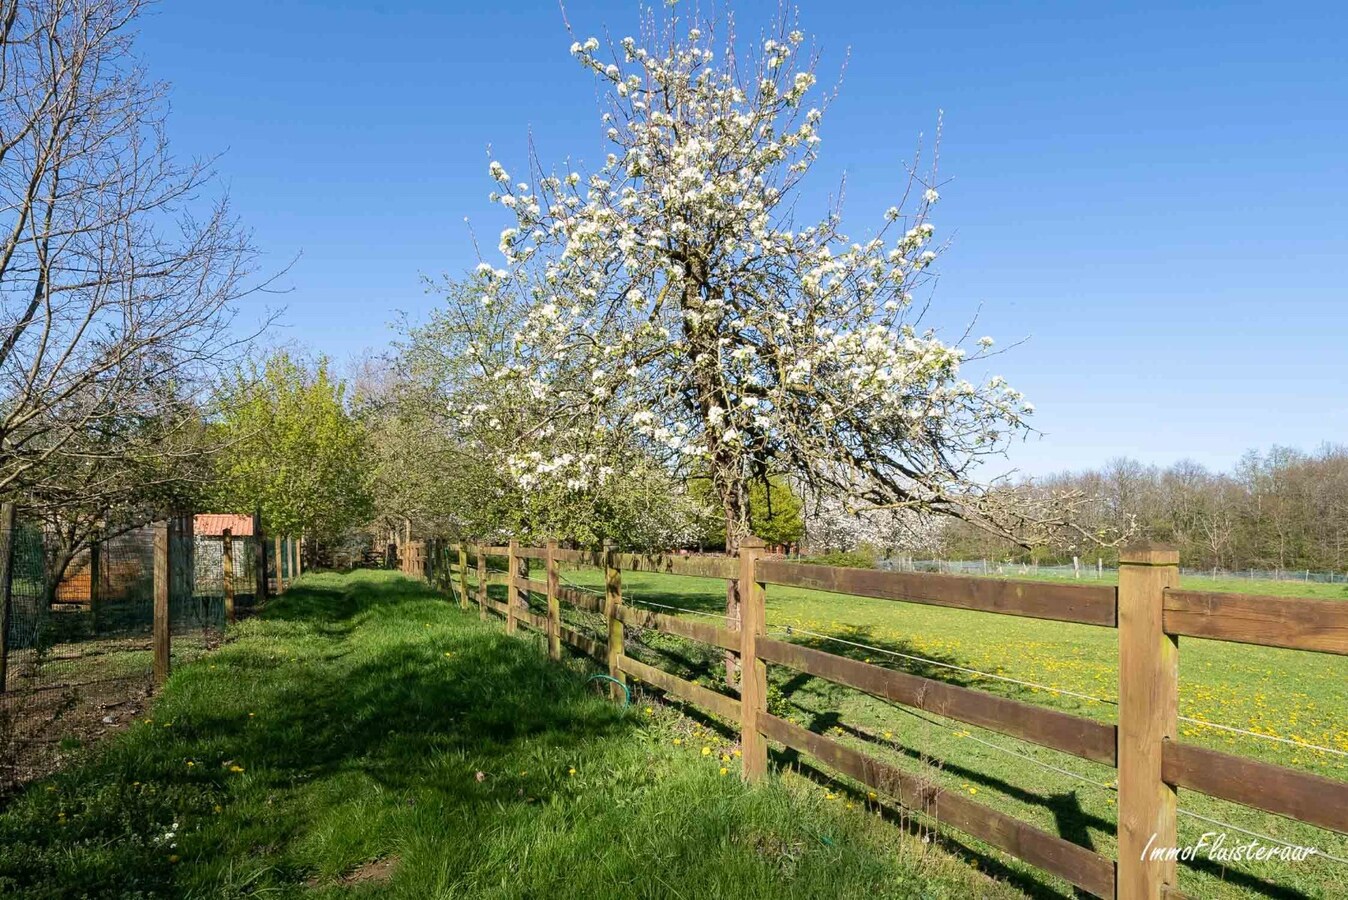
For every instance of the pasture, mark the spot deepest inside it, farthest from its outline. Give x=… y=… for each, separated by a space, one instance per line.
x=1296 y=696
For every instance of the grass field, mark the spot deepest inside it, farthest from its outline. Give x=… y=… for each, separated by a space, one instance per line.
x=365 y=738
x=1295 y=695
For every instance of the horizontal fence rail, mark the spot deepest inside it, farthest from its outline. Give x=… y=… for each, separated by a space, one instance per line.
x=1148 y=608
x=1087 y=604
x=1320 y=625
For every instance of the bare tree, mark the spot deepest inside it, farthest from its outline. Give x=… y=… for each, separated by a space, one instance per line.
x=117 y=296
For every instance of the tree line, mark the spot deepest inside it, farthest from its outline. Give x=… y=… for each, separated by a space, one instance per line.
x=1282 y=509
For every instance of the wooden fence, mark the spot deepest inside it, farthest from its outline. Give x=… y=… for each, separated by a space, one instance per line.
x=1148 y=609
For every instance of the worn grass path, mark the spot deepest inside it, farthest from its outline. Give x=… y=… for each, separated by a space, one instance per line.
x=365 y=738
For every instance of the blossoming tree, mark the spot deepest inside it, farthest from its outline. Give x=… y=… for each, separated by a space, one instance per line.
x=677 y=292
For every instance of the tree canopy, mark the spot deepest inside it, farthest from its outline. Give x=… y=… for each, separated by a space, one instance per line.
x=290 y=448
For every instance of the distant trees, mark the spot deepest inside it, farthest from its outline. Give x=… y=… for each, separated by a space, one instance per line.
x=288 y=446
x=1281 y=509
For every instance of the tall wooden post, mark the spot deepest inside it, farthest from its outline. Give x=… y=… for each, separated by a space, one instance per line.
x=95 y=575
x=259 y=558
x=554 y=603
x=512 y=572
x=295 y=546
x=481 y=583
x=163 y=534
x=753 y=671
x=613 y=601
x=280 y=565
x=227 y=563
x=1148 y=708
x=8 y=523
x=463 y=577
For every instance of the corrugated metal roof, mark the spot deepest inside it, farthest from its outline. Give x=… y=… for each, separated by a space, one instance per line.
x=214 y=525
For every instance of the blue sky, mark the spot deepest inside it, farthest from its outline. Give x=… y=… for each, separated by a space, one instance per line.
x=1154 y=195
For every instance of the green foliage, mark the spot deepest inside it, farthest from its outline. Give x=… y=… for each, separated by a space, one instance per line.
x=861 y=558
x=775 y=511
x=290 y=448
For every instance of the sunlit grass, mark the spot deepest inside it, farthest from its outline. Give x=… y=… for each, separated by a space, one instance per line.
x=1300 y=696
x=366 y=737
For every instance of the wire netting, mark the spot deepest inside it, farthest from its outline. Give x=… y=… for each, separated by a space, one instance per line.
x=79 y=657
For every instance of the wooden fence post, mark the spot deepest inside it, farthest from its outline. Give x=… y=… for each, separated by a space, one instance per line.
x=463 y=577
x=163 y=570
x=95 y=575
x=297 y=568
x=613 y=600
x=753 y=671
x=8 y=522
x=1148 y=707
x=554 y=604
x=481 y=583
x=260 y=559
x=280 y=564
x=512 y=572
x=227 y=563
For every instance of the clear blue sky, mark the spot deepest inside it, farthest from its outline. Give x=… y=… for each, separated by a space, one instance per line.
x=1155 y=196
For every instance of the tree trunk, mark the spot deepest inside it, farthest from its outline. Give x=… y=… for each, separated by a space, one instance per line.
x=735 y=531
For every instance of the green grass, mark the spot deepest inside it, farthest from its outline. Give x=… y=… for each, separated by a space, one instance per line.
x=365 y=738
x=1296 y=695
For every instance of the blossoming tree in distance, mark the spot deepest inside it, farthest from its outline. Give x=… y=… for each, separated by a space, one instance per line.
x=676 y=293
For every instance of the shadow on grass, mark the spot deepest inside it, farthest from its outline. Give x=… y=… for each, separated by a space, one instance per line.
x=326 y=684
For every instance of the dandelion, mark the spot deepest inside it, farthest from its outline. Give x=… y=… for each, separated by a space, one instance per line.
x=571 y=771
x=724 y=770
x=649 y=711
x=706 y=751
x=236 y=769
x=678 y=742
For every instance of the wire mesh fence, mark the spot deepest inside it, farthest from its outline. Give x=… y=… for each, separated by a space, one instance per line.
x=1098 y=569
x=77 y=657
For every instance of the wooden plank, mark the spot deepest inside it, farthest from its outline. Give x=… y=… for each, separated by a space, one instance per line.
x=532 y=619
x=583 y=643
x=528 y=584
x=581 y=599
x=163 y=547
x=554 y=605
x=1087 y=604
x=687 y=628
x=751 y=594
x=695 y=566
x=720 y=705
x=1277 y=789
x=533 y=552
x=613 y=601
x=1076 y=735
x=1148 y=717
x=1319 y=625
x=496 y=551
x=1087 y=870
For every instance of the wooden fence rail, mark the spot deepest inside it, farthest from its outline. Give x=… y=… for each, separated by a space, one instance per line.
x=1148 y=609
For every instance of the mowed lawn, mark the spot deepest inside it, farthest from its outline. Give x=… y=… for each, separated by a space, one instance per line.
x=364 y=737
x=1298 y=696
